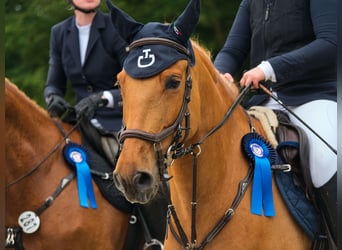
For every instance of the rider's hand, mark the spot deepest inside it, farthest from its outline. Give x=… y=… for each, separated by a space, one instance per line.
x=253 y=76
x=87 y=106
x=57 y=105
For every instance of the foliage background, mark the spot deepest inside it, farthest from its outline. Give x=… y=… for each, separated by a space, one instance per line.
x=28 y=24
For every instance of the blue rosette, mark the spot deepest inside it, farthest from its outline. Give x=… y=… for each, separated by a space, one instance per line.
x=262 y=155
x=76 y=156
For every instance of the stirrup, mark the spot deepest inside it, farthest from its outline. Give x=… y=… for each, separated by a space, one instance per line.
x=153 y=242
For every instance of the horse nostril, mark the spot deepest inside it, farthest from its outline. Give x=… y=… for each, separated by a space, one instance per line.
x=117 y=181
x=143 y=180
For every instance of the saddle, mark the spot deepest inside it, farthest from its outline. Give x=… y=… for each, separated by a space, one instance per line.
x=293 y=148
x=290 y=142
x=295 y=186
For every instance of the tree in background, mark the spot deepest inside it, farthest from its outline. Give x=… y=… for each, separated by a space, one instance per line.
x=27 y=31
x=28 y=24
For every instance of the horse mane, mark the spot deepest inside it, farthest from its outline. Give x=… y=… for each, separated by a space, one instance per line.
x=205 y=55
x=206 y=58
x=17 y=101
x=24 y=119
x=13 y=88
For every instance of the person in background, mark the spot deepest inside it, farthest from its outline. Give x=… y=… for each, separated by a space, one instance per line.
x=87 y=51
x=292 y=48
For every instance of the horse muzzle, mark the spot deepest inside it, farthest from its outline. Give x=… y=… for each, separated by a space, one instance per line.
x=141 y=188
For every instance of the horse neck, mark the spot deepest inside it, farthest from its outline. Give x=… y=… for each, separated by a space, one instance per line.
x=28 y=123
x=34 y=161
x=30 y=134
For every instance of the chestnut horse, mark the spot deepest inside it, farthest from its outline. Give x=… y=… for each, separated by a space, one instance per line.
x=34 y=170
x=174 y=122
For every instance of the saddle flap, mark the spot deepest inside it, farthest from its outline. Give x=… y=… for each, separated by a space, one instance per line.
x=293 y=147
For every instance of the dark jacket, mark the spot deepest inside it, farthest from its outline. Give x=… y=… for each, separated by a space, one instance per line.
x=298 y=38
x=103 y=61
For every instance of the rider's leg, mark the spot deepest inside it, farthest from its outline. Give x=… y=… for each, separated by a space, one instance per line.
x=321 y=116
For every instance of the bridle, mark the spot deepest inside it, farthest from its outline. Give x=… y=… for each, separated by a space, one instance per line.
x=176 y=127
x=177 y=150
x=177 y=146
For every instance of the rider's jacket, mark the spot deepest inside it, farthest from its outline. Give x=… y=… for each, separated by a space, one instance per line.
x=297 y=37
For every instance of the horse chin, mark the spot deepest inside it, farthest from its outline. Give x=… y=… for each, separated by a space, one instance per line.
x=141 y=197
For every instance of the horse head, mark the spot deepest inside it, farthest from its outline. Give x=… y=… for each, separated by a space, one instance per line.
x=155 y=84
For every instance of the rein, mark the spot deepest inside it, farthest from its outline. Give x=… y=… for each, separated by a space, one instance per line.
x=55 y=148
x=219 y=125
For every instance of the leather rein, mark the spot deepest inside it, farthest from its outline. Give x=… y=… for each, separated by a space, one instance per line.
x=14 y=234
x=177 y=150
x=41 y=162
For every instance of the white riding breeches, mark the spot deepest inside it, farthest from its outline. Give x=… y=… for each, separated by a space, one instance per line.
x=321 y=117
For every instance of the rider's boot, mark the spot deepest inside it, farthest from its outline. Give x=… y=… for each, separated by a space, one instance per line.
x=326 y=197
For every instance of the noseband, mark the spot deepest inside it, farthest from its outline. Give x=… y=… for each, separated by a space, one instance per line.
x=176 y=127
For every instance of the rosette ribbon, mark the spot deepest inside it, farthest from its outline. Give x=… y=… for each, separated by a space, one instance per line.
x=261 y=154
x=76 y=156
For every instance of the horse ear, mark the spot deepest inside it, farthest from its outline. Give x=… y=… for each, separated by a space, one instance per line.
x=125 y=24
x=186 y=23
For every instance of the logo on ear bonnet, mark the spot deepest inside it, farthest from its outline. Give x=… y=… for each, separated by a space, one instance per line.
x=146 y=60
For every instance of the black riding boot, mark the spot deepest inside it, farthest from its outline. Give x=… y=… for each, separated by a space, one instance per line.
x=326 y=197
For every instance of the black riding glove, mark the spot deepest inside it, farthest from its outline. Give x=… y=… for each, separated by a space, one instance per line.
x=57 y=105
x=87 y=106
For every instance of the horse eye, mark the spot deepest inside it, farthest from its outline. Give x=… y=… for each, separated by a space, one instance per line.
x=172 y=83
